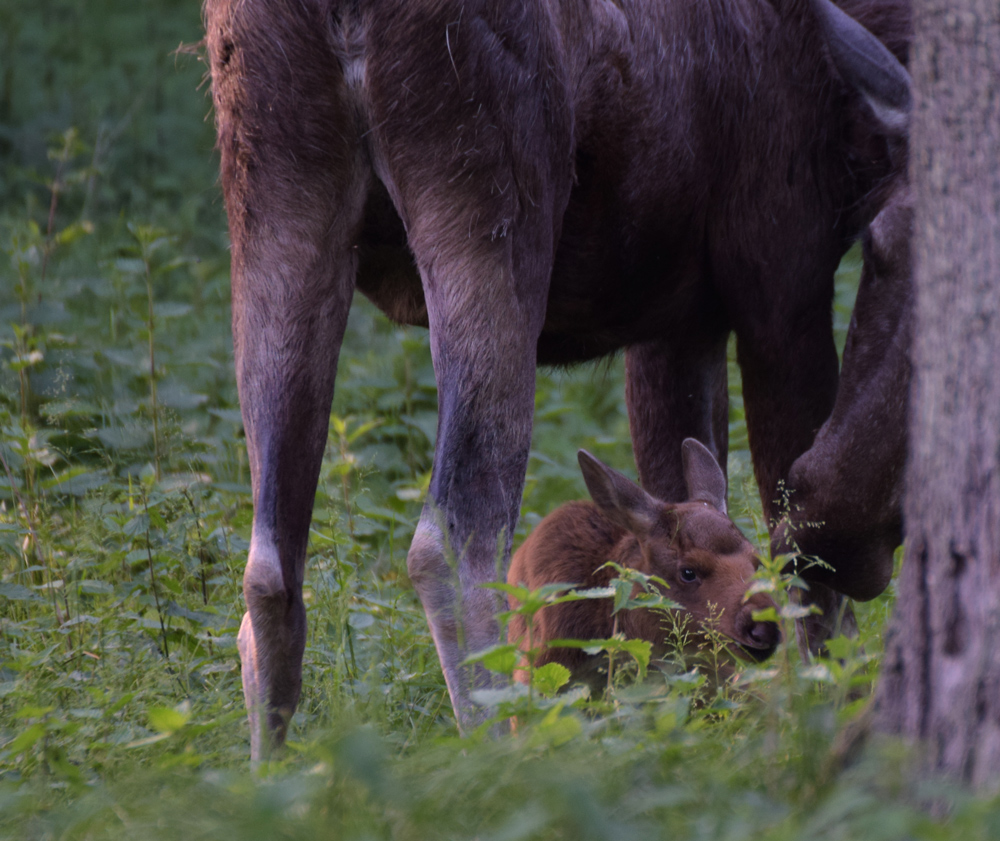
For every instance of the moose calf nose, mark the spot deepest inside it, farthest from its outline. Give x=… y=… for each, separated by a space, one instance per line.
x=765 y=634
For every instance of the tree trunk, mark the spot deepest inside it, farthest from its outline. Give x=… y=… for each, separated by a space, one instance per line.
x=940 y=681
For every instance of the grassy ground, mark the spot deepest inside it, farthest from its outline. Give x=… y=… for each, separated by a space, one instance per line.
x=125 y=513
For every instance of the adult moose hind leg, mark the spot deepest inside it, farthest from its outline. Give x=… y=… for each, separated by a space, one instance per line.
x=294 y=185
x=473 y=141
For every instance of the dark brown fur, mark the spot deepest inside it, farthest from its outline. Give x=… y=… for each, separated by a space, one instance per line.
x=845 y=491
x=538 y=182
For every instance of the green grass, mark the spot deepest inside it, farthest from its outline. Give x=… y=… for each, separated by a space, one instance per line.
x=125 y=514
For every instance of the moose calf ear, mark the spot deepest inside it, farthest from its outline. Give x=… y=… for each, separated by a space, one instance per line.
x=705 y=480
x=618 y=497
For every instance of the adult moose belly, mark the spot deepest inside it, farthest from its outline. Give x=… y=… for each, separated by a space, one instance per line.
x=623 y=275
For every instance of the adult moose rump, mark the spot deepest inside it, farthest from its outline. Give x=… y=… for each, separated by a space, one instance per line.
x=539 y=182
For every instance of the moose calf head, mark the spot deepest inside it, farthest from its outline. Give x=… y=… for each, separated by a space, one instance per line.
x=693 y=546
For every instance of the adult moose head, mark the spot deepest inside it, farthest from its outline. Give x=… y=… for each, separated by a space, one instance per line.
x=846 y=491
x=541 y=182
x=693 y=546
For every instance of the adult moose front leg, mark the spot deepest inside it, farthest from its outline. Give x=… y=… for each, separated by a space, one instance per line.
x=790 y=377
x=676 y=388
x=485 y=314
x=294 y=188
x=486 y=382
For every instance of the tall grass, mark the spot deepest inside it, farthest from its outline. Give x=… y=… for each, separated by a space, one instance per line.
x=125 y=513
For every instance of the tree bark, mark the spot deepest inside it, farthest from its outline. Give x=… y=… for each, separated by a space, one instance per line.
x=940 y=681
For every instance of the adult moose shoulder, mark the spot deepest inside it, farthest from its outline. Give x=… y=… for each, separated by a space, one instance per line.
x=541 y=182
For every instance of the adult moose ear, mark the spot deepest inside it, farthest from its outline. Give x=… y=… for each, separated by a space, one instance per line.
x=705 y=480
x=867 y=65
x=618 y=497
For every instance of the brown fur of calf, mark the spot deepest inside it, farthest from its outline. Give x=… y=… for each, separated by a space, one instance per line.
x=692 y=545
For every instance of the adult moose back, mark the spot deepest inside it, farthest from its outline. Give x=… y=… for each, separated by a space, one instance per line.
x=538 y=182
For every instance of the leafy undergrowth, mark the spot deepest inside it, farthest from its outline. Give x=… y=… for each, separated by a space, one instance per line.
x=125 y=513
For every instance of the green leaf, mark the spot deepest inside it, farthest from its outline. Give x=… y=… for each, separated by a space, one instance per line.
x=227 y=415
x=556 y=729
x=841 y=648
x=95 y=588
x=761 y=585
x=640 y=651
x=130 y=265
x=71 y=233
x=77 y=481
x=495 y=697
x=590 y=646
x=175 y=395
x=819 y=672
x=623 y=589
x=148 y=740
x=796 y=611
x=768 y=614
x=168 y=719
x=170 y=309
x=27 y=738
x=17 y=592
x=362 y=430
x=119 y=704
x=31 y=711
x=500 y=658
x=550 y=678
x=138 y=525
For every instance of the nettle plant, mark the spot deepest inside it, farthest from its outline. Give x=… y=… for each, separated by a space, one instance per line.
x=695 y=677
x=691 y=662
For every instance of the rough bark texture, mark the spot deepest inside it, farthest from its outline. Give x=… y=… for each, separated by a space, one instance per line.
x=940 y=680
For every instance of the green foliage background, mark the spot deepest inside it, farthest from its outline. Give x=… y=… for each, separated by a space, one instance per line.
x=125 y=514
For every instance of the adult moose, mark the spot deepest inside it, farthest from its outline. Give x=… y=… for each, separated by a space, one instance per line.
x=541 y=182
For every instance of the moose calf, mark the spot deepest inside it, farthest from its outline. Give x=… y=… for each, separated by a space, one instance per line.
x=693 y=546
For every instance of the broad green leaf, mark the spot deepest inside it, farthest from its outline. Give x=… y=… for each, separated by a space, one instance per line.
x=168 y=719
x=495 y=697
x=556 y=729
x=841 y=647
x=170 y=309
x=590 y=646
x=130 y=265
x=819 y=672
x=92 y=587
x=71 y=233
x=622 y=589
x=550 y=678
x=26 y=738
x=768 y=614
x=17 y=592
x=640 y=651
x=797 y=611
x=500 y=658
x=31 y=711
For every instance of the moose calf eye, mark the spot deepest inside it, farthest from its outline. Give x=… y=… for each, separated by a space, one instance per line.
x=688 y=575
